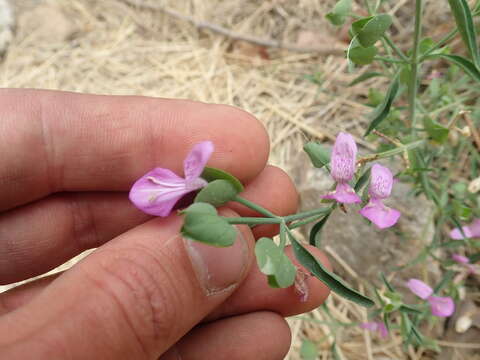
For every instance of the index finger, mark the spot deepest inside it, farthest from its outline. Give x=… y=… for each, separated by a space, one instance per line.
x=54 y=141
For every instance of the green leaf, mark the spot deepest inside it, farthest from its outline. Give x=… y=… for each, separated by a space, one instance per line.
x=362 y=180
x=466 y=28
x=331 y=280
x=409 y=309
x=365 y=76
x=217 y=192
x=211 y=174
x=381 y=112
x=339 y=12
x=319 y=155
x=361 y=55
x=316 y=231
x=200 y=208
x=425 y=45
x=463 y=63
x=369 y=30
x=201 y=225
x=387 y=283
x=273 y=262
x=308 y=350
x=436 y=131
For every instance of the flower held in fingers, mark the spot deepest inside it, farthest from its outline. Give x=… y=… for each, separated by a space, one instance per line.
x=157 y=192
x=380 y=188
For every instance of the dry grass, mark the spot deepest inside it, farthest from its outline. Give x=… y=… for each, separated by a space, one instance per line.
x=111 y=47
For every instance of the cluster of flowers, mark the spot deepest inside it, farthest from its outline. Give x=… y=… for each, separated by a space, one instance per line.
x=343 y=168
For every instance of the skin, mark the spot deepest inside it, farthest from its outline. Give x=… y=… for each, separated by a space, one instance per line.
x=67 y=163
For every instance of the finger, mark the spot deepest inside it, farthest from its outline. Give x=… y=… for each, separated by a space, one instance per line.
x=254 y=294
x=132 y=298
x=260 y=336
x=274 y=190
x=54 y=141
x=87 y=220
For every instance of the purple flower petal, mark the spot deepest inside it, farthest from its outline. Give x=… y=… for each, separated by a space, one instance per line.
x=343 y=193
x=471 y=231
x=371 y=325
x=419 y=288
x=475 y=228
x=456 y=234
x=157 y=192
x=382 y=330
x=381 y=182
x=343 y=157
x=441 y=306
x=376 y=326
x=379 y=214
x=196 y=160
x=460 y=259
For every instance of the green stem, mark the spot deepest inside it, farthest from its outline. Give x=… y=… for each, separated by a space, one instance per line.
x=252 y=220
x=305 y=214
x=396 y=49
x=367 y=5
x=439 y=44
x=306 y=221
x=283 y=235
x=413 y=84
x=389 y=60
x=255 y=207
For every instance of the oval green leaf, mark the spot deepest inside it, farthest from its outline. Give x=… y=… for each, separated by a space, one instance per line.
x=217 y=192
x=361 y=55
x=210 y=174
x=339 y=12
x=331 y=280
x=369 y=30
x=201 y=208
x=273 y=262
x=318 y=154
x=209 y=229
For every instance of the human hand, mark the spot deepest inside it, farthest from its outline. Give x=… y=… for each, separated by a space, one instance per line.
x=67 y=162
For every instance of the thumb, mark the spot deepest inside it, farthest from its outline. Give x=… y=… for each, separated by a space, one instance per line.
x=132 y=298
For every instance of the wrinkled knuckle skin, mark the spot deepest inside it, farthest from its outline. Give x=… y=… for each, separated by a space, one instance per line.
x=143 y=292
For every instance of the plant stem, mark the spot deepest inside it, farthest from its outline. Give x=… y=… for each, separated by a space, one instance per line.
x=306 y=214
x=255 y=207
x=439 y=44
x=396 y=49
x=413 y=86
x=252 y=220
x=306 y=221
x=389 y=60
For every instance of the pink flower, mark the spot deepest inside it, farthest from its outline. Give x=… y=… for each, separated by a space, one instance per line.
x=342 y=164
x=380 y=188
x=464 y=261
x=440 y=306
x=471 y=231
x=157 y=192
x=376 y=326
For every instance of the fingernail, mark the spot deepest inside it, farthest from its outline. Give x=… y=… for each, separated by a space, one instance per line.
x=218 y=269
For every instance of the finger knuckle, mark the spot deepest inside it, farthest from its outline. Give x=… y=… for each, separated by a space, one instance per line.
x=143 y=291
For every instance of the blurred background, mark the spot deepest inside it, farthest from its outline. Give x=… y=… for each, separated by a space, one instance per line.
x=278 y=59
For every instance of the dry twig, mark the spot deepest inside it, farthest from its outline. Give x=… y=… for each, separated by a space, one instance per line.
x=235 y=36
